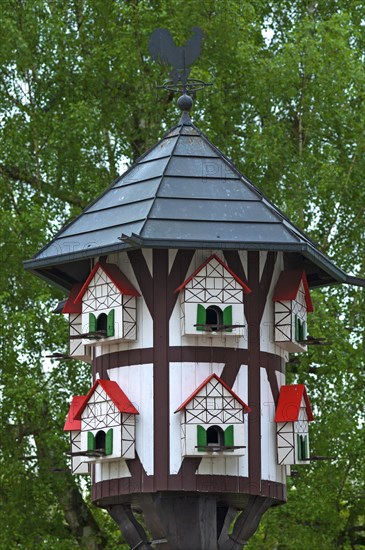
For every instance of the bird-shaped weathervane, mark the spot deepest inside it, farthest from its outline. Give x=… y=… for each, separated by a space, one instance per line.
x=163 y=48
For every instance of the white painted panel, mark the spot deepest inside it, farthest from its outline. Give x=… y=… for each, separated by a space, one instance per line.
x=137 y=383
x=172 y=256
x=280 y=377
x=269 y=467
x=175 y=325
x=111 y=470
x=228 y=466
x=184 y=379
x=240 y=387
x=263 y=257
x=267 y=342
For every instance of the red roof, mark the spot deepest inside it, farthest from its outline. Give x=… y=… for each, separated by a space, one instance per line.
x=115 y=275
x=115 y=393
x=204 y=383
x=288 y=285
x=70 y=306
x=290 y=398
x=246 y=290
x=71 y=423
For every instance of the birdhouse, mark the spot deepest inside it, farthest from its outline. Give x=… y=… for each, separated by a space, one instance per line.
x=108 y=305
x=292 y=304
x=107 y=423
x=212 y=420
x=293 y=413
x=187 y=291
x=73 y=425
x=212 y=300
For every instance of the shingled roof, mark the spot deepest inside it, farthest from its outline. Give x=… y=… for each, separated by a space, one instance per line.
x=182 y=193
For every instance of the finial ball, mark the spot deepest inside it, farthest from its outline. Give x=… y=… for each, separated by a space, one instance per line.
x=185 y=102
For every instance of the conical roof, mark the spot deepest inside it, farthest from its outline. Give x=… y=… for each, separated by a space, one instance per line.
x=182 y=193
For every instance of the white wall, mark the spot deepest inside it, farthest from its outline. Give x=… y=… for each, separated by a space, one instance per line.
x=269 y=467
x=137 y=383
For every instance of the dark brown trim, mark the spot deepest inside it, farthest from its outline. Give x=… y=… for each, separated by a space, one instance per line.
x=207 y=354
x=143 y=276
x=273 y=364
x=254 y=382
x=265 y=281
x=233 y=362
x=199 y=354
x=233 y=260
x=125 y=358
x=274 y=386
x=232 y=485
x=177 y=275
x=161 y=374
x=274 y=490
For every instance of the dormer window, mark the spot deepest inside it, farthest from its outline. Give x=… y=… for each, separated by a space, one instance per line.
x=214 y=317
x=100 y=440
x=106 y=420
x=212 y=300
x=215 y=436
x=292 y=303
x=108 y=305
x=101 y=322
x=293 y=413
x=212 y=421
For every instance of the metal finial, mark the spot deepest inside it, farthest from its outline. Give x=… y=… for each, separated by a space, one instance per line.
x=163 y=49
x=185 y=102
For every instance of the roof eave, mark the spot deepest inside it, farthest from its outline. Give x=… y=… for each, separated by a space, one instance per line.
x=336 y=275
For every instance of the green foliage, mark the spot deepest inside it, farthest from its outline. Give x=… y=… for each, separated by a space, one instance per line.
x=77 y=101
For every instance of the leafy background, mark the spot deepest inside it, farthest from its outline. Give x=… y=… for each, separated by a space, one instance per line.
x=77 y=102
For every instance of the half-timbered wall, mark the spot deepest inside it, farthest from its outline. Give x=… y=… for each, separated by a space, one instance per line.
x=101 y=297
x=286 y=312
x=160 y=369
x=212 y=286
x=180 y=336
x=77 y=348
x=214 y=405
x=290 y=436
x=144 y=326
x=101 y=413
x=78 y=464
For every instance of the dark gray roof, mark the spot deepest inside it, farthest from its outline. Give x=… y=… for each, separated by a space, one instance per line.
x=182 y=193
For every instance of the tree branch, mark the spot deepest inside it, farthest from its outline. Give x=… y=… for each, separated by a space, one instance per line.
x=15 y=173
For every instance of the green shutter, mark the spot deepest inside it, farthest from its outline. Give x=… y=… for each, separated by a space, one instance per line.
x=109 y=442
x=304 y=331
x=228 y=437
x=92 y=322
x=227 y=318
x=201 y=439
x=299 y=447
x=90 y=441
x=110 y=323
x=201 y=317
x=297 y=325
x=304 y=442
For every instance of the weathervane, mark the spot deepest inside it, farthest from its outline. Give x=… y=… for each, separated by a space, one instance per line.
x=163 y=48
